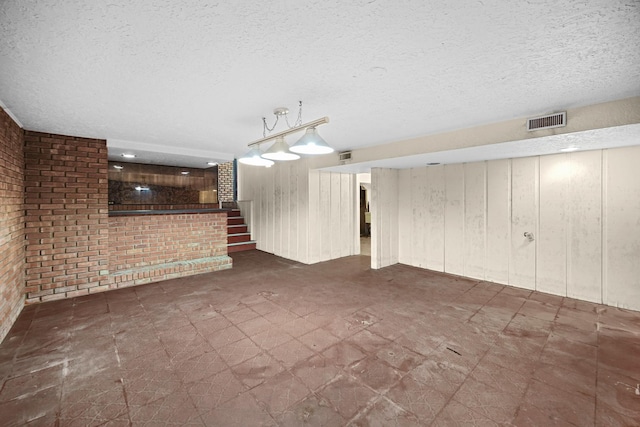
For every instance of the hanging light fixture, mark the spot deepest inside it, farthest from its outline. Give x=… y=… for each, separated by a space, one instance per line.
x=280 y=151
x=254 y=158
x=311 y=143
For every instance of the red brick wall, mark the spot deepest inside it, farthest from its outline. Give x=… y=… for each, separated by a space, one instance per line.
x=66 y=223
x=146 y=248
x=11 y=222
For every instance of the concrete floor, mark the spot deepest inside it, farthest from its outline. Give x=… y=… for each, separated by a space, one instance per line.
x=273 y=342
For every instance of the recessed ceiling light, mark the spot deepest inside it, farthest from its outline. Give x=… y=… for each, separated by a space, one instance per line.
x=118 y=167
x=212 y=163
x=185 y=172
x=569 y=149
x=128 y=156
x=140 y=188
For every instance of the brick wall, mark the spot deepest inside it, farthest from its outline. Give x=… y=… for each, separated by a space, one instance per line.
x=225 y=182
x=66 y=222
x=11 y=222
x=149 y=248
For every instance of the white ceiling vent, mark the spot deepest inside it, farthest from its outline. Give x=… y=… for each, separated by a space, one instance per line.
x=556 y=120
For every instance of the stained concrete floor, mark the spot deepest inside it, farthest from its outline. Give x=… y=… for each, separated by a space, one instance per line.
x=273 y=342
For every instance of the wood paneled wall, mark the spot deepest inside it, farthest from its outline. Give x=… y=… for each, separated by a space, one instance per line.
x=298 y=213
x=583 y=209
x=384 y=217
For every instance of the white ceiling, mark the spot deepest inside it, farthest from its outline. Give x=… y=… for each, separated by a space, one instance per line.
x=189 y=81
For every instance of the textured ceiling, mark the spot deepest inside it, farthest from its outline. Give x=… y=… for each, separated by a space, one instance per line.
x=167 y=76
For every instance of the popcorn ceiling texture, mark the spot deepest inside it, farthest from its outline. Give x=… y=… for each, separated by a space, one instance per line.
x=201 y=76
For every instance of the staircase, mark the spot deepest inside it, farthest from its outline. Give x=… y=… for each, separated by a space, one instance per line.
x=238 y=237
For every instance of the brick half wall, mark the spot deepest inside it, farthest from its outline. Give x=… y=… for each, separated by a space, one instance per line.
x=150 y=248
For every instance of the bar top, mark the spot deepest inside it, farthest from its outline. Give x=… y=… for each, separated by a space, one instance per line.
x=164 y=212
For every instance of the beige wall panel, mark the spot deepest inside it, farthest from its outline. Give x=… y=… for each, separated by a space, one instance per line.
x=498 y=220
x=315 y=226
x=584 y=268
x=303 y=212
x=278 y=209
x=292 y=225
x=325 y=216
x=405 y=217
x=384 y=216
x=393 y=217
x=475 y=209
x=346 y=196
x=622 y=228
x=285 y=206
x=436 y=200
x=419 y=209
x=454 y=219
x=524 y=213
x=270 y=199
x=336 y=240
x=551 y=268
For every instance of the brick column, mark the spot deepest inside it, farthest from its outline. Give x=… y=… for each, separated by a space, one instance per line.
x=66 y=223
x=225 y=182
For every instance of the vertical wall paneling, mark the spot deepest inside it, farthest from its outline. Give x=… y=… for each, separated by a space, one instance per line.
x=584 y=278
x=475 y=219
x=304 y=213
x=498 y=218
x=278 y=205
x=314 y=225
x=551 y=268
x=393 y=216
x=335 y=214
x=384 y=217
x=524 y=213
x=622 y=228
x=271 y=209
x=454 y=219
x=435 y=218
x=346 y=223
x=405 y=216
x=583 y=208
x=292 y=219
x=419 y=210
x=325 y=216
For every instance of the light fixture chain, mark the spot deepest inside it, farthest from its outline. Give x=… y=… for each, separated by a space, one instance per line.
x=266 y=128
x=298 y=120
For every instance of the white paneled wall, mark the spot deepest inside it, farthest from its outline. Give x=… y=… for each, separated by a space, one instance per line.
x=524 y=216
x=300 y=214
x=331 y=215
x=498 y=214
x=583 y=209
x=454 y=231
x=621 y=237
x=384 y=217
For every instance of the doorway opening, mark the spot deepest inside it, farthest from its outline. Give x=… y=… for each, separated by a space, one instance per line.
x=364 y=213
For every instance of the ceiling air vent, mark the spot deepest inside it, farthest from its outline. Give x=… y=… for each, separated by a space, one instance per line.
x=344 y=156
x=555 y=120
